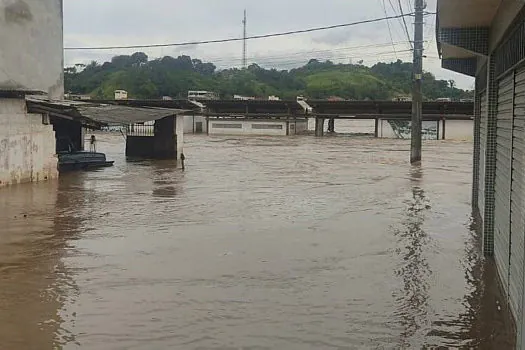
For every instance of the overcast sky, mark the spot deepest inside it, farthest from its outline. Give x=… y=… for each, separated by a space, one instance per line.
x=138 y=22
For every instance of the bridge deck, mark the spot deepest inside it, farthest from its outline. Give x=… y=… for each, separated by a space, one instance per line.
x=320 y=108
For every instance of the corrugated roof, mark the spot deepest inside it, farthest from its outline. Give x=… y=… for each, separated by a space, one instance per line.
x=111 y=114
x=97 y=114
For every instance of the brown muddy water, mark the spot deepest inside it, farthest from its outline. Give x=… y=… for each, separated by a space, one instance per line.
x=262 y=243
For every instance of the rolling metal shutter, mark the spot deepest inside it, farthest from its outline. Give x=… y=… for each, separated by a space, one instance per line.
x=517 y=205
x=503 y=178
x=482 y=148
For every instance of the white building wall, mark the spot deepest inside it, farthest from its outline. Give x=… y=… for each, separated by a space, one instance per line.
x=301 y=126
x=460 y=130
x=247 y=127
x=191 y=123
x=27 y=147
x=297 y=127
x=32 y=46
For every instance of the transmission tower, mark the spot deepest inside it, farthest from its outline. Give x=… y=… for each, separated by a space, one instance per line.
x=244 y=49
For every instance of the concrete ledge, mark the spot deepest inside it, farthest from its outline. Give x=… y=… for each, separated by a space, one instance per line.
x=474 y=39
x=465 y=66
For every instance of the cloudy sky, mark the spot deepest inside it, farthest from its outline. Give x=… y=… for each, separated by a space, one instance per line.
x=94 y=23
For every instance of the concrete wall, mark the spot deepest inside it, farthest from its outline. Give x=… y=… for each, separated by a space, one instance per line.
x=167 y=143
x=179 y=132
x=140 y=146
x=32 y=46
x=386 y=129
x=27 y=147
x=68 y=130
x=461 y=130
x=297 y=127
x=247 y=127
x=191 y=124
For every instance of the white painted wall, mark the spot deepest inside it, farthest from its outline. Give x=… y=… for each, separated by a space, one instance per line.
x=246 y=127
x=32 y=46
x=461 y=130
x=190 y=123
x=27 y=147
x=297 y=127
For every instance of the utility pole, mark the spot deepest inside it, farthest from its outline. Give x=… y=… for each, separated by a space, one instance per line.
x=244 y=50
x=417 y=96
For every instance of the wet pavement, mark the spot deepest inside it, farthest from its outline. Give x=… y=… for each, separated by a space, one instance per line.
x=261 y=243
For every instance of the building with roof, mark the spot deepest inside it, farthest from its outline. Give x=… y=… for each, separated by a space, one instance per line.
x=485 y=39
x=31 y=63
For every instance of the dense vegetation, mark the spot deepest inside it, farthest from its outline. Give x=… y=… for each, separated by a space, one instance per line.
x=169 y=76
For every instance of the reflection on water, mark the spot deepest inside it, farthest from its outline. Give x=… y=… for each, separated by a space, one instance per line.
x=34 y=284
x=414 y=269
x=262 y=243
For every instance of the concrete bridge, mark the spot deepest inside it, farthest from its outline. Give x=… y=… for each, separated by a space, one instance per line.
x=321 y=110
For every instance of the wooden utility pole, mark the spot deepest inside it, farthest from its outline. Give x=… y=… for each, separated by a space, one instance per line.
x=417 y=96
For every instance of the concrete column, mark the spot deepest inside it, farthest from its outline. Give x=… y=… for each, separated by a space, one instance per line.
x=331 y=125
x=319 y=127
x=490 y=161
x=376 y=128
x=476 y=155
x=444 y=128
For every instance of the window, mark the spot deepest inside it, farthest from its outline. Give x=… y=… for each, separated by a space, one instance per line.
x=226 y=126
x=267 y=126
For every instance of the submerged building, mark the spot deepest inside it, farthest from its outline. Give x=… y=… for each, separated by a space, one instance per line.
x=485 y=39
x=31 y=63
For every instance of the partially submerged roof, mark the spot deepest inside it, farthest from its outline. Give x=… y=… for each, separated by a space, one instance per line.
x=96 y=115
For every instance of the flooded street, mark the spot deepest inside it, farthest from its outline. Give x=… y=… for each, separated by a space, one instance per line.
x=262 y=243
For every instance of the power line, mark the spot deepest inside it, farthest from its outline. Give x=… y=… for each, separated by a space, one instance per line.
x=240 y=39
x=404 y=22
x=389 y=29
x=399 y=19
x=308 y=52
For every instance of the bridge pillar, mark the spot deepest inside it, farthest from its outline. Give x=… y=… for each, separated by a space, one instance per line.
x=376 y=128
x=444 y=131
x=331 y=125
x=319 y=127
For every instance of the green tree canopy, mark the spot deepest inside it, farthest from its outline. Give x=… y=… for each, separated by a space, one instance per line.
x=175 y=76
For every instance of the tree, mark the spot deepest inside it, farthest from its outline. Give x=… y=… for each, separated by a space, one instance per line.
x=144 y=78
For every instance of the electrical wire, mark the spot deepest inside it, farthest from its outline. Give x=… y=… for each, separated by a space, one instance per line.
x=404 y=22
x=309 y=30
x=388 y=24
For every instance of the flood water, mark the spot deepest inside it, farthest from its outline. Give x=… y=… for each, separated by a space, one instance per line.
x=262 y=243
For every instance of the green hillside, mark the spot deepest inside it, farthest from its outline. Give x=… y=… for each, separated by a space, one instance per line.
x=169 y=76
